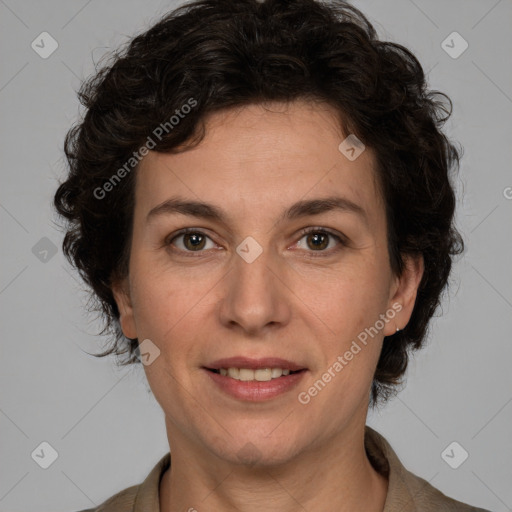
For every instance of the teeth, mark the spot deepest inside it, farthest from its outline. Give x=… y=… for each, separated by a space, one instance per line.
x=261 y=375
x=234 y=373
x=276 y=372
x=246 y=374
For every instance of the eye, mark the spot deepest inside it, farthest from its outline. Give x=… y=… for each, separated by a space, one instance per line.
x=317 y=239
x=190 y=240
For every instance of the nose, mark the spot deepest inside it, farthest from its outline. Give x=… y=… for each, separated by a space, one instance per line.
x=256 y=297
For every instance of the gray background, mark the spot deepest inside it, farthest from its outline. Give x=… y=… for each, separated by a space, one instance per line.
x=104 y=424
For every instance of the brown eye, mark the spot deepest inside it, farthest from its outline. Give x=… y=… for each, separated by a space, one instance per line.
x=317 y=240
x=194 y=241
x=190 y=241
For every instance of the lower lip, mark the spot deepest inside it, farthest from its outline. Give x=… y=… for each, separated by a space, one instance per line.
x=256 y=391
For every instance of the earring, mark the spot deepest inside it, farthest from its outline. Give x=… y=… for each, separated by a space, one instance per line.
x=397 y=330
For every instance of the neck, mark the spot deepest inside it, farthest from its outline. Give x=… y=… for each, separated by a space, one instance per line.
x=334 y=476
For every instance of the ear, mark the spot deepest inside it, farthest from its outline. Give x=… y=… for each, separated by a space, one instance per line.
x=405 y=290
x=122 y=296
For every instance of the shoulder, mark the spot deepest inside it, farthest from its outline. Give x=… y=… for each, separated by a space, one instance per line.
x=406 y=491
x=120 y=502
x=426 y=497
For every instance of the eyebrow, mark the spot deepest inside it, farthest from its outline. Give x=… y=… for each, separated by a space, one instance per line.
x=299 y=209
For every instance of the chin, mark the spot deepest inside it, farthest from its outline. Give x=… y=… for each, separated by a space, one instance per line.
x=263 y=450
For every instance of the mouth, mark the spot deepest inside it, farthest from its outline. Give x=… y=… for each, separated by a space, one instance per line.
x=255 y=379
x=248 y=369
x=259 y=375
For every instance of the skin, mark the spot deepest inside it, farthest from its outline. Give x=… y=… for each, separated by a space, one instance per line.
x=254 y=163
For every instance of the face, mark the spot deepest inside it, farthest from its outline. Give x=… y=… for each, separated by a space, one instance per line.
x=271 y=280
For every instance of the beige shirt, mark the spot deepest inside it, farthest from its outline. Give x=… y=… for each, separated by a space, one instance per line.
x=406 y=491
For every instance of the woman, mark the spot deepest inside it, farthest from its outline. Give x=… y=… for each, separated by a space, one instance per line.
x=259 y=197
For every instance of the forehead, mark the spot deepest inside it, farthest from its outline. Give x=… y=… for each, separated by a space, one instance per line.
x=262 y=158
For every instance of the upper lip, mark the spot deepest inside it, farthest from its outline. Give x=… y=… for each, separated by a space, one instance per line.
x=254 y=364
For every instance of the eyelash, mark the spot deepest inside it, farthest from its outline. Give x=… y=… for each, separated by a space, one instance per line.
x=303 y=232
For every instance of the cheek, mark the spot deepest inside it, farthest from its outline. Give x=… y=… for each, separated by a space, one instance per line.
x=163 y=297
x=170 y=308
x=166 y=309
x=345 y=301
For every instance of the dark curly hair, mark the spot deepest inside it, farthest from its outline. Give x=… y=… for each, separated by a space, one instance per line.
x=230 y=53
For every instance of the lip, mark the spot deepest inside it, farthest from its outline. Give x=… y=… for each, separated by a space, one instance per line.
x=254 y=364
x=255 y=391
